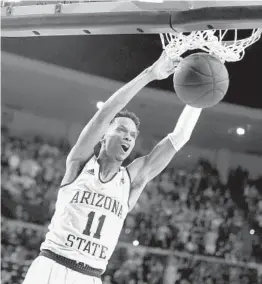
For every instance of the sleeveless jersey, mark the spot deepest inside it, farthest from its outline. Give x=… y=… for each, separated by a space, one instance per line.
x=89 y=216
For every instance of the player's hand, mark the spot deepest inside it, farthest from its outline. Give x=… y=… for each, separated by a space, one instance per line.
x=163 y=67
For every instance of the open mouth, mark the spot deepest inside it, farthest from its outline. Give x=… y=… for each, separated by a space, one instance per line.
x=124 y=147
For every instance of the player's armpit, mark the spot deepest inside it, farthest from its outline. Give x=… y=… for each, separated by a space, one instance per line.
x=73 y=169
x=145 y=168
x=136 y=189
x=149 y=166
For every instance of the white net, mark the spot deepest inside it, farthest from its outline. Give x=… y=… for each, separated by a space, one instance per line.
x=211 y=41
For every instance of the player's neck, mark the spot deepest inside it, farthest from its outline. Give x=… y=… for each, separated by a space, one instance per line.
x=108 y=167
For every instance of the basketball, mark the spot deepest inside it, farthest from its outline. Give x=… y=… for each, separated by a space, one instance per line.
x=201 y=80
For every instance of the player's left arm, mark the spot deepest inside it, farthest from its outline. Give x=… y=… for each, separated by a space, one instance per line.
x=145 y=168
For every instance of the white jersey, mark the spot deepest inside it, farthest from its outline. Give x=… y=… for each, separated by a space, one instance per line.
x=89 y=216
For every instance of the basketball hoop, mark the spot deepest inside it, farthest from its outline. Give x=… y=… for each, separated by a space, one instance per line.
x=211 y=41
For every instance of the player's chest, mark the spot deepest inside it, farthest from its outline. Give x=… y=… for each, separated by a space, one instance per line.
x=84 y=196
x=90 y=182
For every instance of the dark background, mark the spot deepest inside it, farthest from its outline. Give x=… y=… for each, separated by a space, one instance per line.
x=122 y=57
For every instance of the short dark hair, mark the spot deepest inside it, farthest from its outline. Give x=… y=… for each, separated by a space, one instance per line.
x=128 y=114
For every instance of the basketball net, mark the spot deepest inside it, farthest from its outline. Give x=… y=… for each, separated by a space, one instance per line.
x=210 y=41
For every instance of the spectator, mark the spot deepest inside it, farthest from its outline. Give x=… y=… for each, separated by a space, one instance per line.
x=179 y=210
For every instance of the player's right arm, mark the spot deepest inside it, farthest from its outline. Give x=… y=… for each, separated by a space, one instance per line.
x=97 y=126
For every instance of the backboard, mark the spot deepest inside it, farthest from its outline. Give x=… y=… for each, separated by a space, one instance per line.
x=53 y=18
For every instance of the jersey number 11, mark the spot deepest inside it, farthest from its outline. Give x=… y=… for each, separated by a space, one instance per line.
x=90 y=220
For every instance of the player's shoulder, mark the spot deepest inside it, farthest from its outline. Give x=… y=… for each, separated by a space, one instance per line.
x=74 y=169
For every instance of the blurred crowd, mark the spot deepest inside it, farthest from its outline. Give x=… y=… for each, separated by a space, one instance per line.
x=179 y=210
x=194 y=212
x=32 y=170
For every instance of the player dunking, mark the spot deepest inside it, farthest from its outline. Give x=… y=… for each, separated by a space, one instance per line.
x=97 y=193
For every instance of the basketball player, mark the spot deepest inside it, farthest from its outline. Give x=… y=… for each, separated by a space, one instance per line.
x=97 y=192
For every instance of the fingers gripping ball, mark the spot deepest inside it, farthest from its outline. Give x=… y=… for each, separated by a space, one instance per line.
x=201 y=80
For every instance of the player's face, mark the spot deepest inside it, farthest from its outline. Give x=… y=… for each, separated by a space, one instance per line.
x=120 y=138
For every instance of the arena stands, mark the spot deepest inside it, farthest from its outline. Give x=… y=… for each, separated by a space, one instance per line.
x=182 y=221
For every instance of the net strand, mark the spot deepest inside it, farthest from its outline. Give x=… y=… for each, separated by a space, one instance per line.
x=178 y=43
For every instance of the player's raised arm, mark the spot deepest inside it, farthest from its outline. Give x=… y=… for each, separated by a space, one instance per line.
x=145 y=168
x=94 y=130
